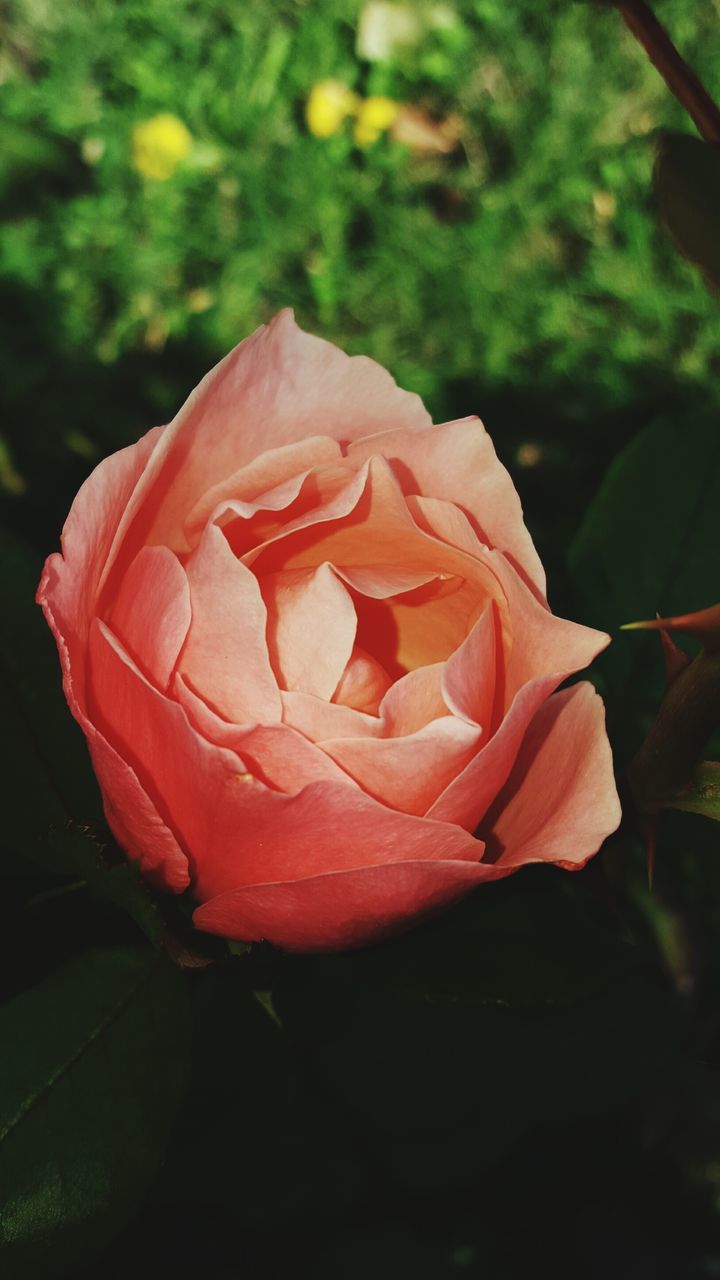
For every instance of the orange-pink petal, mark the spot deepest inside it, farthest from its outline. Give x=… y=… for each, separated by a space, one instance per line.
x=345 y=909
x=151 y=612
x=226 y=657
x=456 y=461
x=560 y=801
x=311 y=627
x=234 y=828
x=275 y=754
x=408 y=773
x=278 y=387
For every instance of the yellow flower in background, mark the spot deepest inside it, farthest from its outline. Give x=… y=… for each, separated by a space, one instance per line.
x=374 y=116
x=158 y=146
x=327 y=108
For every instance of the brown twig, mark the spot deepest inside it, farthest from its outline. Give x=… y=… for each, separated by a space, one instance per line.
x=678 y=76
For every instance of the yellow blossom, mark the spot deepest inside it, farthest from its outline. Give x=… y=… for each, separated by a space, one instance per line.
x=158 y=146
x=374 y=116
x=328 y=106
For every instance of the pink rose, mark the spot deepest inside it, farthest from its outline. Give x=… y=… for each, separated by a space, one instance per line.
x=305 y=633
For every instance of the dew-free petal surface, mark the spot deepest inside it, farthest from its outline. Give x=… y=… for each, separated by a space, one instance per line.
x=456 y=461
x=276 y=754
x=408 y=773
x=70 y=582
x=346 y=909
x=560 y=801
x=278 y=387
x=262 y=475
x=151 y=612
x=311 y=625
x=473 y=676
x=318 y=719
x=226 y=656
x=236 y=830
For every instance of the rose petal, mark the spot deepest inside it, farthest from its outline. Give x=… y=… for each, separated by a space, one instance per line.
x=368 y=524
x=537 y=642
x=413 y=701
x=275 y=754
x=470 y=794
x=317 y=719
x=473 y=677
x=456 y=461
x=134 y=819
x=70 y=582
x=560 y=800
x=226 y=656
x=380 y=581
x=235 y=829
x=302 y=609
x=363 y=683
x=131 y=814
x=277 y=387
x=151 y=613
x=343 y=909
x=408 y=773
x=264 y=481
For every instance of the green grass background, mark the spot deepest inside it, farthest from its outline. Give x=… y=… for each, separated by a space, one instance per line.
x=485 y=279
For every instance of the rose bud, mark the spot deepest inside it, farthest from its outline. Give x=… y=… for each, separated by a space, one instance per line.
x=305 y=633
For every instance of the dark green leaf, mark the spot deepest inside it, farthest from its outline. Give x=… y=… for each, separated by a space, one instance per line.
x=93 y=1070
x=46 y=776
x=514 y=1010
x=701 y=794
x=649 y=543
x=266 y=1139
x=687 y=180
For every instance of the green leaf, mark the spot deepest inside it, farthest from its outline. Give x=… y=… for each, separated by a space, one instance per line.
x=46 y=776
x=687 y=181
x=165 y=919
x=92 y=1075
x=515 y=1010
x=30 y=154
x=649 y=544
x=701 y=794
x=266 y=1139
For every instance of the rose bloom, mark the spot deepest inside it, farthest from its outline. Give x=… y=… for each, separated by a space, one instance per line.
x=306 y=636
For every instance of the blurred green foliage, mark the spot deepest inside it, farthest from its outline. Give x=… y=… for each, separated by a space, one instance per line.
x=529 y=255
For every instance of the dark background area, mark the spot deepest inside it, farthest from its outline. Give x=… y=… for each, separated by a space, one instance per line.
x=528 y=1084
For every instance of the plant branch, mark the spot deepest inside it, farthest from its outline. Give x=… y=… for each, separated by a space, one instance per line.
x=678 y=76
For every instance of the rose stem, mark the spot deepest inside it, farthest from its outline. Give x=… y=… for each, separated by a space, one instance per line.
x=678 y=76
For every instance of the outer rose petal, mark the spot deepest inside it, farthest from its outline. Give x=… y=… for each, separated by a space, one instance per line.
x=560 y=801
x=279 y=386
x=456 y=461
x=538 y=642
x=131 y=814
x=134 y=819
x=69 y=584
x=235 y=829
x=341 y=909
x=467 y=798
